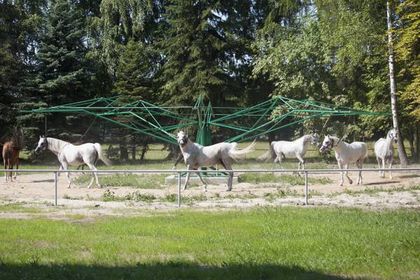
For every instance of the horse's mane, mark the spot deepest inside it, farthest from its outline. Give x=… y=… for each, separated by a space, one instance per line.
x=56 y=144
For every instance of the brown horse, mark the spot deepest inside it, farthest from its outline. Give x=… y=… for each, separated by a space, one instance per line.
x=10 y=157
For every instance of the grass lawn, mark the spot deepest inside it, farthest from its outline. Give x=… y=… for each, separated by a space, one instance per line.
x=264 y=243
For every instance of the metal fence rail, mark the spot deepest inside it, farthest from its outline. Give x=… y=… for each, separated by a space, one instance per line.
x=180 y=173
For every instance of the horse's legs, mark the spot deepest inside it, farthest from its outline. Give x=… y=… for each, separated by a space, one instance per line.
x=17 y=166
x=279 y=161
x=64 y=166
x=347 y=173
x=94 y=175
x=187 y=178
x=301 y=164
x=10 y=166
x=5 y=167
x=359 y=164
x=379 y=165
x=340 y=166
x=228 y=166
x=383 y=167
x=202 y=181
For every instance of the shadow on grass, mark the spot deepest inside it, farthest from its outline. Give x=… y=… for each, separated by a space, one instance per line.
x=173 y=270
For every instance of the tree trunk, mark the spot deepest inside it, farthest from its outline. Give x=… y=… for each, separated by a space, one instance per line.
x=133 y=151
x=123 y=149
x=393 y=91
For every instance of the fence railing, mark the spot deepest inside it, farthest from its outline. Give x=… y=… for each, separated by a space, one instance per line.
x=180 y=173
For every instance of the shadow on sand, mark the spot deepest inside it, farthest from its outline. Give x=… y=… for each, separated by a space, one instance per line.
x=174 y=270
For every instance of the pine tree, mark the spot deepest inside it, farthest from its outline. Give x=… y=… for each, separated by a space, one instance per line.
x=64 y=74
x=136 y=71
x=194 y=53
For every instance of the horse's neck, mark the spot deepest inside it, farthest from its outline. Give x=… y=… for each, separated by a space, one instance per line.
x=339 y=144
x=388 y=142
x=56 y=145
x=190 y=147
x=301 y=143
x=306 y=139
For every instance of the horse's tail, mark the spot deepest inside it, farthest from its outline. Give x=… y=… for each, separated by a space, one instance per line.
x=101 y=155
x=270 y=154
x=240 y=154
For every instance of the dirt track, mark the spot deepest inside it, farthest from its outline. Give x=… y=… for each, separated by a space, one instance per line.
x=38 y=190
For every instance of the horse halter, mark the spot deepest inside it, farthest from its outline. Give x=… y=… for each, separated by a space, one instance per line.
x=183 y=141
x=329 y=145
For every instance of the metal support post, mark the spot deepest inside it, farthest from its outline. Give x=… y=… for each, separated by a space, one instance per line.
x=55 y=188
x=306 y=188
x=179 y=189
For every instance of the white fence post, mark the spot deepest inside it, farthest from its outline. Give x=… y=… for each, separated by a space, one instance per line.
x=55 y=188
x=179 y=189
x=306 y=188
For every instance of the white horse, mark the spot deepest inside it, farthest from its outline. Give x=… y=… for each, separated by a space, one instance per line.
x=69 y=154
x=196 y=155
x=346 y=153
x=384 y=151
x=287 y=149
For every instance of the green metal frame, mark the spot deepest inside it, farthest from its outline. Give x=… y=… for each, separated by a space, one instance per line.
x=161 y=122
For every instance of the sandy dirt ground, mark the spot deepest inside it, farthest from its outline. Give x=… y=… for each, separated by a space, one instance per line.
x=36 y=191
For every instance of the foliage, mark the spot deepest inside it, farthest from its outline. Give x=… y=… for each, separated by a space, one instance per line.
x=234 y=53
x=64 y=72
x=136 y=71
x=407 y=53
x=193 y=50
x=118 y=23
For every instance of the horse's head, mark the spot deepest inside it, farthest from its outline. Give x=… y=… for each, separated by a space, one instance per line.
x=327 y=144
x=42 y=144
x=392 y=134
x=182 y=138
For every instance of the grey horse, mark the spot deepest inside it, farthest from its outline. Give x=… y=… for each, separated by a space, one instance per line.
x=196 y=155
x=346 y=153
x=384 y=151
x=69 y=154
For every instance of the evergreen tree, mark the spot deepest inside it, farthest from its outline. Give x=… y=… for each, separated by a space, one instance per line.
x=64 y=72
x=11 y=67
x=194 y=51
x=136 y=71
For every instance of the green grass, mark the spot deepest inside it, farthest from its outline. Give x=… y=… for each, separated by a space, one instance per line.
x=147 y=181
x=292 y=180
x=135 y=196
x=19 y=207
x=266 y=243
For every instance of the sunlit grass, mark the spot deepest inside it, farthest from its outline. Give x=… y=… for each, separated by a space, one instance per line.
x=144 y=181
x=292 y=180
x=266 y=243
